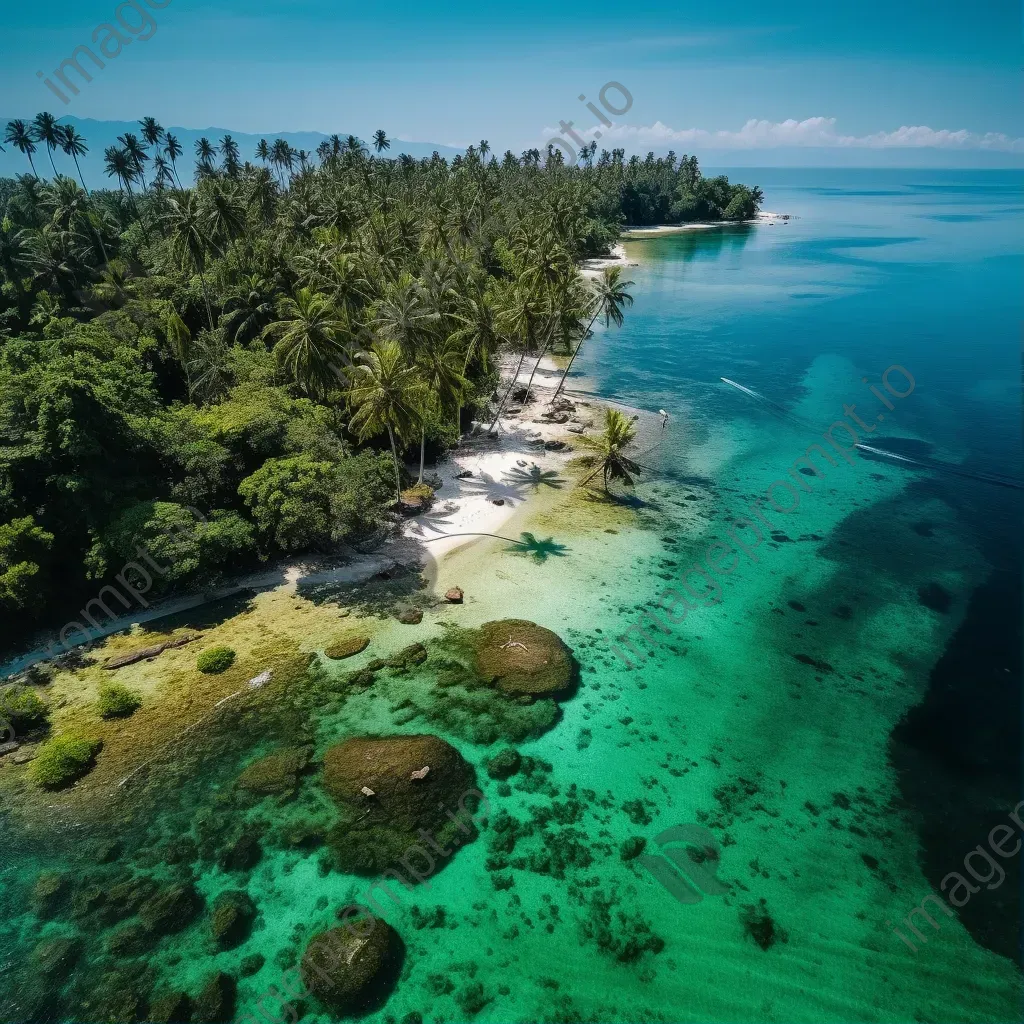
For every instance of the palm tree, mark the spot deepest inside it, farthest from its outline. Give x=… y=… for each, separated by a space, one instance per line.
x=137 y=152
x=610 y=298
x=311 y=333
x=205 y=153
x=46 y=129
x=518 y=314
x=387 y=394
x=380 y=141
x=190 y=242
x=281 y=157
x=441 y=367
x=74 y=146
x=224 y=213
x=404 y=316
x=485 y=148
x=262 y=150
x=565 y=310
x=57 y=256
x=172 y=150
x=19 y=135
x=608 y=449
x=13 y=257
x=179 y=338
x=117 y=163
x=68 y=206
x=162 y=176
x=249 y=309
x=232 y=156
x=152 y=131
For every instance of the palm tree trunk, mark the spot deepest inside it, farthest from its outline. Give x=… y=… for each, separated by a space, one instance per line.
x=32 y=164
x=80 y=177
x=515 y=377
x=423 y=452
x=394 y=455
x=49 y=153
x=206 y=296
x=561 y=383
x=547 y=344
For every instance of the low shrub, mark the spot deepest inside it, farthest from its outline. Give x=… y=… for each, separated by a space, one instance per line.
x=117 y=701
x=215 y=660
x=64 y=760
x=22 y=708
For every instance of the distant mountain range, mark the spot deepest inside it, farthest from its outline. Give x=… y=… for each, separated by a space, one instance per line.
x=100 y=134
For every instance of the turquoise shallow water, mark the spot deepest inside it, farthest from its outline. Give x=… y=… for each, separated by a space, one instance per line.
x=835 y=720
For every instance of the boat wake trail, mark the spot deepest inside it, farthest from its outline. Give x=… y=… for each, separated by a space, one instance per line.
x=932 y=464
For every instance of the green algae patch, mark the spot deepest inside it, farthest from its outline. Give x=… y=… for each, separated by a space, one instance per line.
x=64 y=760
x=276 y=773
x=215 y=660
x=390 y=788
x=347 y=646
x=352 y=970
x=522 y=658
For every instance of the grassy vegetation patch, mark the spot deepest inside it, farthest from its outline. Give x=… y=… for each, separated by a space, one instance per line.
x=63 y=760
x=215 y=660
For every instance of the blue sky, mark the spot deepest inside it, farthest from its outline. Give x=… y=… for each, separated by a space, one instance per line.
x=805 y=78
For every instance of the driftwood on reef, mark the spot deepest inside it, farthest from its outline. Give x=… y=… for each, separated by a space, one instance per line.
x=145 y=653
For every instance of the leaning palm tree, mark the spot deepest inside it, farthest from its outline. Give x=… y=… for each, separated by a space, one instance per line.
x=262 y=150
x=387 y=394
x=381 y=141
x=610 y=298
x=74 y=146
x=19 y=135
x=607 y=450
x=172 y=150
x=46 y=129
x=137 y=151
x=190 y=241
x=118 y=164
x=312 y=339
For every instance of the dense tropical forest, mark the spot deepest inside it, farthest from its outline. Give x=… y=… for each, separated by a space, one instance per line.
x=223 y=361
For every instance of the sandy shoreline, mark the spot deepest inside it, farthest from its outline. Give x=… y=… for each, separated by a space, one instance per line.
x=465 y=509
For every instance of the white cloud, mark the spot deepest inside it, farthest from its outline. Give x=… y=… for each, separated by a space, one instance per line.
x=814 y=131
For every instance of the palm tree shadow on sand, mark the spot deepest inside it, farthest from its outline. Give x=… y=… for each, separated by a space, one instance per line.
x=506 y=490
x=535 y=477
x=539 y=550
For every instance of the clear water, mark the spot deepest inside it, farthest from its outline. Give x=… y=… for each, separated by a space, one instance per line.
x=838 y=729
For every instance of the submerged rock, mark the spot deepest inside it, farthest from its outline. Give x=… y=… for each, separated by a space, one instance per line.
x=410 y=616
x=169 y=1008
x=454 y=595
x=351 y=970
x=386 y=826
x=346 y=646
x=57 y=957
x=504 y=765
x=215 y=1002
x=520 y=657
x=171 y=909
x=276 y=773
x=232 y=918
